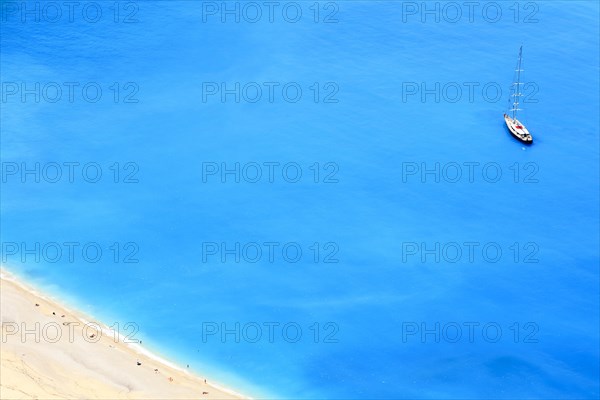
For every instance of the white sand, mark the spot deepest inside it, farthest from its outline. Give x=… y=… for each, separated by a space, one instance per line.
x=76 y=367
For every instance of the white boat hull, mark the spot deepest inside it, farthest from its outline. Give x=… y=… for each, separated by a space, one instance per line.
x=518 y=130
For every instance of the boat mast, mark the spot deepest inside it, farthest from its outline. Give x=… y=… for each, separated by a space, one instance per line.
x=518 y=89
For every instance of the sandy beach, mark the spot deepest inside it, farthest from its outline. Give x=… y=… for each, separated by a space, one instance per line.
x=49 y=352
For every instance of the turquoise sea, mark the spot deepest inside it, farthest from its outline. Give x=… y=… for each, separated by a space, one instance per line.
x=315 y=200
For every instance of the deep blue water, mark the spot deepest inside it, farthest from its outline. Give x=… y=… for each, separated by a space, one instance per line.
x=365 y=211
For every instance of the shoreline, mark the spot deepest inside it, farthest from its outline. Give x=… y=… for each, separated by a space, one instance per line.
x=33 y=340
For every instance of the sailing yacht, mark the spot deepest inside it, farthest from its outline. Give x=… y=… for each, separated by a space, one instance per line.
x=516 y=128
